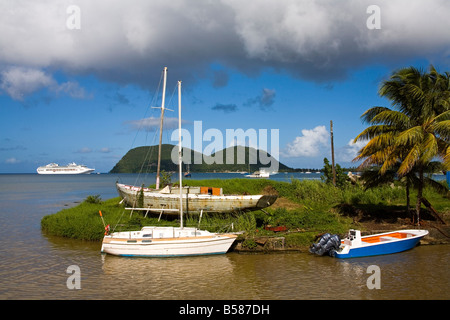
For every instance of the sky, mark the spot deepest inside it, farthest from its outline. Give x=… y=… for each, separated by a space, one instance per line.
x=80 y=80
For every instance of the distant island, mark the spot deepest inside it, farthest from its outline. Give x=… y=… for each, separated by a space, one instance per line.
x=144 y=159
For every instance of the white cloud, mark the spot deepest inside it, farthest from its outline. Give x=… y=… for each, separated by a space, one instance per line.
x=18 y=82
x=84 y=150
x=122 y=41
x=152 y=123
x=105 y=150
x=12 y=161
x=309 y=144
x=349 y=151
x=71 y=88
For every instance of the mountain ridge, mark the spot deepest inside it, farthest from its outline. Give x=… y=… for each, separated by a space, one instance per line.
x=144 y=159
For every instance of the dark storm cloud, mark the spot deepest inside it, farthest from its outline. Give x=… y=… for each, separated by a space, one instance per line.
x=131 y=41
x=227 y=108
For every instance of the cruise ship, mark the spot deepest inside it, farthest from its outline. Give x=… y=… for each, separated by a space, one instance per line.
x=71 y=168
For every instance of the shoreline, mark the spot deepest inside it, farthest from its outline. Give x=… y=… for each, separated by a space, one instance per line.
x=275 y=244
x=303 y=211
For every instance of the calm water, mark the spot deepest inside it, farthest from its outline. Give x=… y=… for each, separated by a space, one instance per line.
x=33 y=265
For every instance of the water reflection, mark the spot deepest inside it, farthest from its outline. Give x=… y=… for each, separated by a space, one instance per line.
x=421 y=273
x=414 y=274
x=203 y=277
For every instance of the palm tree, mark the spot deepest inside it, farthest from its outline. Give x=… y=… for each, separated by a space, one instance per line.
x=372 y=179
x=414 y=134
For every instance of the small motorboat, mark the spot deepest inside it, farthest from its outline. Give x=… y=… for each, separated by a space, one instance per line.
x=383 y=243
x=354 y=245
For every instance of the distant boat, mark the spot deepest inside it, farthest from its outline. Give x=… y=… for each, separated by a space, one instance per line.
x=187 y=174
x=71 y=168
x=262 y=173
x=354 y=245
x=168 y=241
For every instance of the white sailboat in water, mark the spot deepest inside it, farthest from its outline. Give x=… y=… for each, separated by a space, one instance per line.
x=196 y=199
x=154 y=241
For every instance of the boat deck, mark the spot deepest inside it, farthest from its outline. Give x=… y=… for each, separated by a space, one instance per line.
x=386 y=237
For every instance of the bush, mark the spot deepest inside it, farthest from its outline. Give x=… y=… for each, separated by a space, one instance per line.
x=93 y=199
x=83 y=221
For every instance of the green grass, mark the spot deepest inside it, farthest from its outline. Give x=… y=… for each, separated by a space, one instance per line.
x=313 y=210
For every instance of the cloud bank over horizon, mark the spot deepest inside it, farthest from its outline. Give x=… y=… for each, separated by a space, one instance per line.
x=122 y=42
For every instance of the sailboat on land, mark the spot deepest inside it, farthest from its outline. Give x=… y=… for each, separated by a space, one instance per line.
x=168 y=241
x=195 y=199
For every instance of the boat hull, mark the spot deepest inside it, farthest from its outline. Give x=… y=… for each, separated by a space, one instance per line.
x=71 y=168
x=192 y=203
x=388 y=246
x=53 y=172
x=203 y=244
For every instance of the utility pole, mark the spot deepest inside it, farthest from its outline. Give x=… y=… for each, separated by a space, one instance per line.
x=332 y=154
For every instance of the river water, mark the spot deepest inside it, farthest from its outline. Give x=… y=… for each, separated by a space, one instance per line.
x=37 y=266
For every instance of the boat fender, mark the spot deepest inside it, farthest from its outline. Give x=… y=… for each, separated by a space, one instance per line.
x=107 y=228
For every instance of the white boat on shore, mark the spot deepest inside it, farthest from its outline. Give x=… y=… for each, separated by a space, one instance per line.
x=153 y=241
x=195 y=199
x=71 y=168
x=377 y=244
x=166 y=242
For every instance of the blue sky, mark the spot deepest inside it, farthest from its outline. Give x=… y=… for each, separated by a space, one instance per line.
x=75 y=83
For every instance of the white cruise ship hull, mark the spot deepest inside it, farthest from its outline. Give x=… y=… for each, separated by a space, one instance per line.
x=66 y=172
x=69 y=169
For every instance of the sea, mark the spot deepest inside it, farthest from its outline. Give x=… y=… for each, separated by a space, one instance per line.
x=38 y=266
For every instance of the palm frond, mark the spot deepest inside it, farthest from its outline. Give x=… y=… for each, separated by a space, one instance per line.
x=409 y=161
x=410 y=136
x=429 y=148
x=443 y=116
x=442 y=130
x=372 y=112
x=392 y=118
x=373 y=131
x=446 y=159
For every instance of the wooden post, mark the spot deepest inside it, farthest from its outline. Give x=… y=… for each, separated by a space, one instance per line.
x=332 y=154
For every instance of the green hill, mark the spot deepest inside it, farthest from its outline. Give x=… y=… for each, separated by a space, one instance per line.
x=145 y=159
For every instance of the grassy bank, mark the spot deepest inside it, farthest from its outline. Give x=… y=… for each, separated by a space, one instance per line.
x=307 y=208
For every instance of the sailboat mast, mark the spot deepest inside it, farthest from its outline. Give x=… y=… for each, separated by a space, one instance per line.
x=161 y=128
x=180 y=156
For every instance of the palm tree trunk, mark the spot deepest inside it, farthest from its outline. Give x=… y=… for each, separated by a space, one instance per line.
x=419 y=194
x=408 y=200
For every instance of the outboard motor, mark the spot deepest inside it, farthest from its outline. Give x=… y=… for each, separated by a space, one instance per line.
x=327 y=244
x=319 y=247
